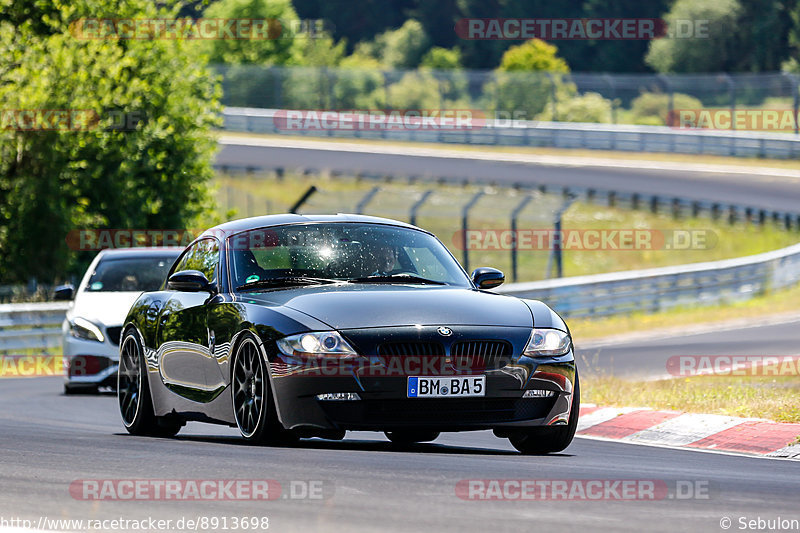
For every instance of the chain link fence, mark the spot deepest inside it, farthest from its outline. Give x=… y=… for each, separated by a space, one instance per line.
x=766 y=102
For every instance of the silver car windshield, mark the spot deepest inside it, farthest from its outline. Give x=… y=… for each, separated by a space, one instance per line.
x=129 y=274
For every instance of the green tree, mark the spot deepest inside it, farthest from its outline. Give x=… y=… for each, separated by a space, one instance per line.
x=712 y=53
x=534 y=55
x=404 y=47
x=144 y=163
x=529 y=77
x=442 y=59
x=276 y=50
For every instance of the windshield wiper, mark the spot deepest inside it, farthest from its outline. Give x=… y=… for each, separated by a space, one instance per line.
x=285 y=281
x=397 y=278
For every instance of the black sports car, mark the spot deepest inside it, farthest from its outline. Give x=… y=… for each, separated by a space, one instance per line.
x=294 y=326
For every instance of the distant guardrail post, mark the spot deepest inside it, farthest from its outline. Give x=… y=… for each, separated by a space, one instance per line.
x=366 y=199
x=514 y=242
x=555 y=253
x=795 y=99
x=412 y=215
x=465 y=223
x=553 y=95
x=303 y=199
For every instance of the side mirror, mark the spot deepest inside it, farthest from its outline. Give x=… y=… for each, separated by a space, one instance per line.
x=189 y=281
x=487 y=278
x=64 y=292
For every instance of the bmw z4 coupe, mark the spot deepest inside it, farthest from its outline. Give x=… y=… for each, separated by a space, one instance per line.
x=290 y=326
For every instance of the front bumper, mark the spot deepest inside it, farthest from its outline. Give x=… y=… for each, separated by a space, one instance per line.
x=383 y=404
x=90 y=363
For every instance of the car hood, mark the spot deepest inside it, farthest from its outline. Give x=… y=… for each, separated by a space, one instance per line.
x=107 y=308
x=364 y=306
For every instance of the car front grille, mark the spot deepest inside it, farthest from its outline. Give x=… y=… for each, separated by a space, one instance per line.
x=416 y=348
x=113 y=334
x=477 y=355
x=481 y=354
x=485 y=349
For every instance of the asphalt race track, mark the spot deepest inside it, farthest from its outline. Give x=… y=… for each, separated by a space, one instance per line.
x=767 y=192
x=49 y=441
x=647 y=358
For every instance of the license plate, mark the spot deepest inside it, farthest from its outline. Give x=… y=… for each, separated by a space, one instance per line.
x=446 y=387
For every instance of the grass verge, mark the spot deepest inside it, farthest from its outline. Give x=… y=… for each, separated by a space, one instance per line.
x=589 y=329
x=774 y=398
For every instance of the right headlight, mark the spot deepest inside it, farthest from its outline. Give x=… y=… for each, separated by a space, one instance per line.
x=316 y=344
x=83 y=329
x=547 y=342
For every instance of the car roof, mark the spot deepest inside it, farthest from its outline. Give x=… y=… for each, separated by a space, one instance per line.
x=155 y=251
x=245 y=224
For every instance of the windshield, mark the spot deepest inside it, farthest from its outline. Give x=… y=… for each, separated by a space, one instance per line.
x=130 y=274
x=341 y=252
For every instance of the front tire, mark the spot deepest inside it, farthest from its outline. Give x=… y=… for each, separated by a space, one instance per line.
x=133 y=393
x=253 y=407
x=552 y=439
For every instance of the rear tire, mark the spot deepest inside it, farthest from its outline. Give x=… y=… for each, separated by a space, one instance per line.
x=253 y=407
x=133 y=393
x=552 y=439
x=406 y=437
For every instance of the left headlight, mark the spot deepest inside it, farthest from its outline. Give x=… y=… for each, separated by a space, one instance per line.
x=547 y=342
x=83 y=329
x=316 y=344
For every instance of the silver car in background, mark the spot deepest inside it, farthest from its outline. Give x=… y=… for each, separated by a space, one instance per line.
x=94 y=319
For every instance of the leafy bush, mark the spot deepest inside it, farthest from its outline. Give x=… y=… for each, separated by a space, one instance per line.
x=415 y=90
x=442 y=59
x=652 y=108
x=587 y=107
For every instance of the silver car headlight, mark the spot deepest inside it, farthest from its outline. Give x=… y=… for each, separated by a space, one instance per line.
x=83 y=329
x=316 y=344
x=547 y=342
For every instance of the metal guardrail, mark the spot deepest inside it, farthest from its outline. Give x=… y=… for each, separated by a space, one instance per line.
x=665 y=288
x=29 y=326
x=33 y=326
x=548 y=134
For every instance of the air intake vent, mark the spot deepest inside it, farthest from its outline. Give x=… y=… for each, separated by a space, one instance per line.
x=487 y=349
x=488 y=355
x=113 y=334
x=395 y=349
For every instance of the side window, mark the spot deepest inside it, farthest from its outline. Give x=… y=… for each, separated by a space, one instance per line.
x=202 y=256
